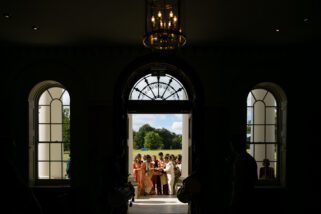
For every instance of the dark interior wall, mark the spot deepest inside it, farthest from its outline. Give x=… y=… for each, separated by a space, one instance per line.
x=225 y=76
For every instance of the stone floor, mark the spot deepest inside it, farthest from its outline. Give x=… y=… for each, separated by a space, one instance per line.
x=157 y=204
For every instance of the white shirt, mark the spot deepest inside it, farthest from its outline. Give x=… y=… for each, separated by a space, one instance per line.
x=169 y=168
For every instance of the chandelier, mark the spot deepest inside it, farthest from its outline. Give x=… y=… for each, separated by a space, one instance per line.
x=163 y=29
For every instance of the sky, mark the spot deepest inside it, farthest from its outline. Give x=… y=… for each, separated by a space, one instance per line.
x=172 y=122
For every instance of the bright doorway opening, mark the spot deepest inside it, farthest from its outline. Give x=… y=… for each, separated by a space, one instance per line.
x=154 y=180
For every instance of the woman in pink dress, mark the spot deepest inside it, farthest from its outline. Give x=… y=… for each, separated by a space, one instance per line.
x=147 y=172
x=137 y=170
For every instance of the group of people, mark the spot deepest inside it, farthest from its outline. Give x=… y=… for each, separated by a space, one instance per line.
x=157 y=176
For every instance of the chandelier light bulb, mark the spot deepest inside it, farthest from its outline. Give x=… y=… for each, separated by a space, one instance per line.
x=171 y=14
x=159 y=14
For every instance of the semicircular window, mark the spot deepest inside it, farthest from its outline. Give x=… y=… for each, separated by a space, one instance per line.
x=158 y=87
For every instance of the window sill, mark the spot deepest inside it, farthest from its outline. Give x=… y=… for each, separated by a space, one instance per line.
x=50 y=183
x=56 y=186
x=272 y=186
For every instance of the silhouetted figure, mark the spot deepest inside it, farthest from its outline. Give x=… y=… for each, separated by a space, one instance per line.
x=244 y=176
x=190 y=192
x=116 y=191
x=267 y=172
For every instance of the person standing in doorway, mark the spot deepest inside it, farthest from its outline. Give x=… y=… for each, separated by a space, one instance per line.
x=163 y=177
x=156 y=176
x=137 y=170
x=169 y=169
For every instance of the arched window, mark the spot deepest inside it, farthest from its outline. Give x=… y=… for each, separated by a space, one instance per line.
x=51 y=133
x=266 y=132
x=158 y=86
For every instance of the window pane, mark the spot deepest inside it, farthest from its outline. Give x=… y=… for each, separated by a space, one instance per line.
x=259 y=93
x=173 y=96
x=250 y=100
x=56 y=132
x=134 y=94
x=259 y=113
x=66 y=98
x=43 y=151
x=56 y=170
x=56 y=111
x=141 y=85
x=182 y=95
x=274 y=166
x=44 y=132
x=45 y=99
x=44 y=114
x=66 y=135
x=55 y=151
x=271 y=133
x=175 y=84
x=151 y=79
x=270 y=115
x=249 y=133
x=258 y=133
x=66 y=114
x=168 y=92
x=43 y=170
x=250 y=149
x=249 y=115
x=259 y=152
x=271 y=152
x=66 y=155
x=270 y=100
x=56 y=92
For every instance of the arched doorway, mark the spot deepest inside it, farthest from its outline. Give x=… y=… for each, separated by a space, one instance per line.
x=160 y=89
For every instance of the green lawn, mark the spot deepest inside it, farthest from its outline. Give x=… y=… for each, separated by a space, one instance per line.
x=155 y=152
x=66 y=155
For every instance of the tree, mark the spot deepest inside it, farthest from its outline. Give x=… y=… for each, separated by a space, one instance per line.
x=66 y=129
x=152 y=140
x=170 y=140
x=139 y=136
x=177 y=142
x=167 y=137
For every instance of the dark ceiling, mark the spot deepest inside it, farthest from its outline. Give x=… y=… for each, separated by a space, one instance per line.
x=98 y=22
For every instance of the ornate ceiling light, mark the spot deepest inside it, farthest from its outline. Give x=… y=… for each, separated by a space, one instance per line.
x=163 y=29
